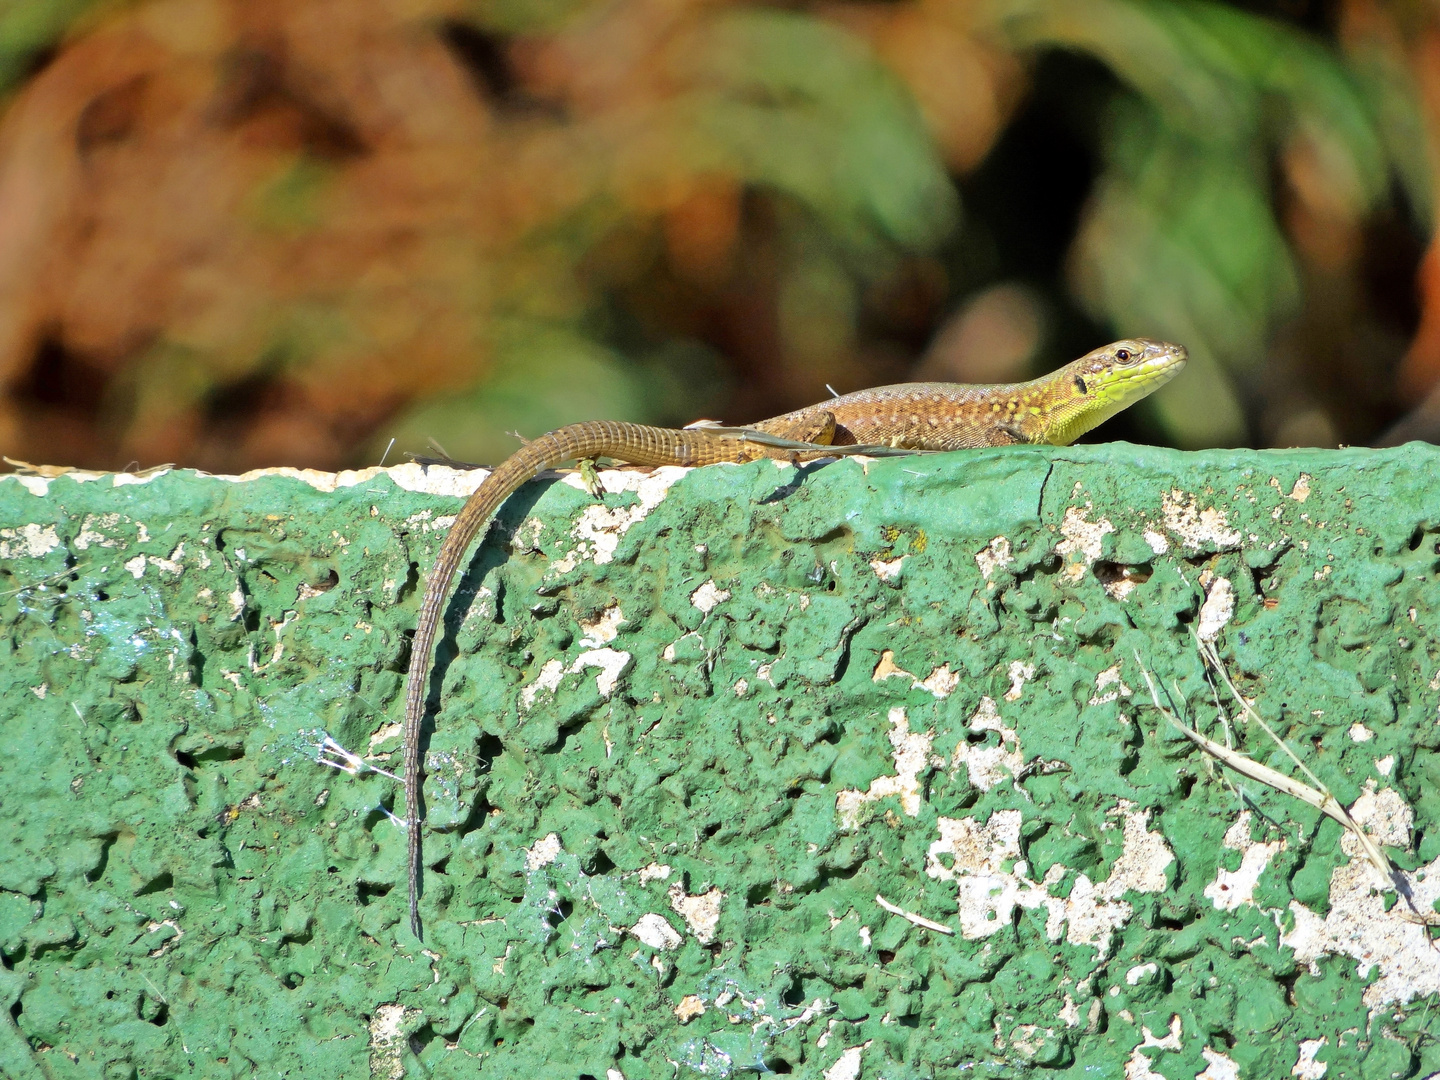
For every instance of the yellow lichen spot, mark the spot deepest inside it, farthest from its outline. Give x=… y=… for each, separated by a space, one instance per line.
x=921 y=542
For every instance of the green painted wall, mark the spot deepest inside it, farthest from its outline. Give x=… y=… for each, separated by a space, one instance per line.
x=687 y=737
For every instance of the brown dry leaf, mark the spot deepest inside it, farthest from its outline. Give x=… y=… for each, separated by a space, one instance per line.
x=171 y=249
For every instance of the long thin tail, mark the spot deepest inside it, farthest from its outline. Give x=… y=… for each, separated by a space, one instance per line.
x=496 y=488
x=632 y=442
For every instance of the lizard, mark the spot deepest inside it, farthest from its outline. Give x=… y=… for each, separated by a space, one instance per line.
x=1054 y=409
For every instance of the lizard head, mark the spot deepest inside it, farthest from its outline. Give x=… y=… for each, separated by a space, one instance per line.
x=1094 y=388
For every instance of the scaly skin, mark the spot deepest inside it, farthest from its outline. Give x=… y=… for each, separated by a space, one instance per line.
x=1056 y=409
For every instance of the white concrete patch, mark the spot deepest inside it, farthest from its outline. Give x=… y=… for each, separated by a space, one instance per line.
x=599 y=528
x=90 y=531
x=1306 y=1067
x=603 y=629
x=847 y=1067
x=1103 y=694
x=1138 y=1067
x=995 y=556
x=1357 y=924
x=701 y=913
x=1218 y=1066
x=708 y=597
x=1139 y=971
x=1197 y=528
x=1020 y=673
x=611 y=662
x=941 y=682
x=654 y=931
x=987 y=894
x=1082 y=537
x=912 y=752
x=988 y=766
x=1232 y=889
x=32 y=541
x=888 y=569
x=546 y=682
x=690 y=1007
x=544 y=852
x=1218 y=609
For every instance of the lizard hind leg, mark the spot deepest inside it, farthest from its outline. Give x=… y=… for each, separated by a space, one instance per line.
x=590 y=477
x=816 y=428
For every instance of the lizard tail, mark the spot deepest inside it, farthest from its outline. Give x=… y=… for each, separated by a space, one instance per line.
x=635 y=443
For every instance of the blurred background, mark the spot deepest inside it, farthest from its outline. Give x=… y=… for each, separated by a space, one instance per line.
x=237 y=233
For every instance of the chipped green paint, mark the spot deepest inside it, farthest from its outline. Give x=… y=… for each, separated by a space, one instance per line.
x=687 y=737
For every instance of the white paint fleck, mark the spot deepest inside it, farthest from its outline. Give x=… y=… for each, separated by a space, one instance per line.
x=995 y=556
x=544 y=852
x=1218 y=609
x=653 y=872
x=911 y=752
x=1360 y=733
x=708 y=597
x=136 y=566
x=654 y=931
x=701 y=913
x=1385 y=765
x=1301 y=491
x=1233 y=889
x=1157 y=541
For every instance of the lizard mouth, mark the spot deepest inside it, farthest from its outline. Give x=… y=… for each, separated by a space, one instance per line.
x=1159 y=362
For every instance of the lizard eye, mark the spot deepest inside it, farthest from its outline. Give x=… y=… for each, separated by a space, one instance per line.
x=1080 y=385
x=1124 y=356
